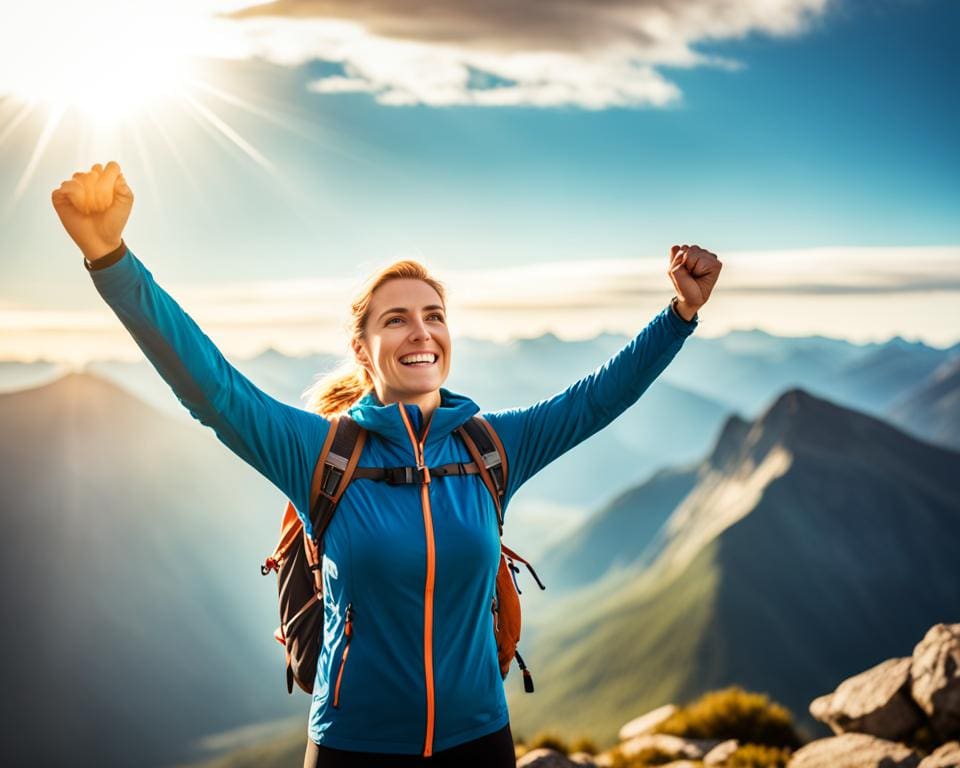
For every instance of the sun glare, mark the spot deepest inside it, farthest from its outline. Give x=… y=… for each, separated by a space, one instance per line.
x=106 y=59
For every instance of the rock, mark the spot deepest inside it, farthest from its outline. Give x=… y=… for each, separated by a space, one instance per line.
x=876 y=702
x=854 y=750
x=646 y=723
x=947 y=756
x=936 y=678
x=721 y=753
x=674 y=746
x=583 y=759
x=545 y=758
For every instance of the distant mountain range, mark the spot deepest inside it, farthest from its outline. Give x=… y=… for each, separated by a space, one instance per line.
x=809 y=545
x=674 y=423
x=136 y=620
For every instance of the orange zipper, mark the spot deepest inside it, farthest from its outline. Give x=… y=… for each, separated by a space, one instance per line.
x=348 y=633
x=431 y=575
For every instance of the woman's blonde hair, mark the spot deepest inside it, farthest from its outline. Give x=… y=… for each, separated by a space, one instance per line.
x=337 y=391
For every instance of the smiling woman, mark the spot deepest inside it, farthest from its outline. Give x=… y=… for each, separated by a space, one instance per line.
x=405 y=603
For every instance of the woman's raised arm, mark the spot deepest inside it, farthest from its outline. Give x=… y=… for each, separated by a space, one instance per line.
x=535 y=436
x=280 y=441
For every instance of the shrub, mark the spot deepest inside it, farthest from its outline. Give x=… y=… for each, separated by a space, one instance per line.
x=733 y=713
x=645 y=758
x=548 y=741
x=758 y=756
x=584 y=744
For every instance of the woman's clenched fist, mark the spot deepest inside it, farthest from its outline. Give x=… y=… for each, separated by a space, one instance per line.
x=94 y=207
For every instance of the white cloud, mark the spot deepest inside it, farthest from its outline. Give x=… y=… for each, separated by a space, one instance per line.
x=859 y=294
x=586 y=53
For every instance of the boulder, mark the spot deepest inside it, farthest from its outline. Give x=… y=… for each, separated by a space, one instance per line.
x=721 y=753
x=936 y=678
x=674 y=746
x=545 y=758
x=946 y=756
x=854 y=750
x=876 y=702
x=646 y=723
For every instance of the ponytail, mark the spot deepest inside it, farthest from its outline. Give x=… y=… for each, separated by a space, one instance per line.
x=338 y=390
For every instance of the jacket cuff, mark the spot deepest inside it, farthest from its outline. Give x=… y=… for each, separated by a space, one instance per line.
x=114 y=274
x=106 y=261
x=678 y=323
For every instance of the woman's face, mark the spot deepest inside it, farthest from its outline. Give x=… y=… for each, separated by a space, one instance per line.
x=406 y=317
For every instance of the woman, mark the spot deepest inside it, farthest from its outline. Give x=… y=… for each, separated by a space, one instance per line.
x=410 y=569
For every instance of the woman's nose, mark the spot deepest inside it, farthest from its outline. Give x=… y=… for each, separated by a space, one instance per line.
x=419 y=330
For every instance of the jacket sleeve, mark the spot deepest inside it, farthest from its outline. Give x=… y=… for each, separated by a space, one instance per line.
x=533 y=437
x=278 y=440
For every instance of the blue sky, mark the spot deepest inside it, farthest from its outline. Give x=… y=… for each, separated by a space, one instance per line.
x=822 y=134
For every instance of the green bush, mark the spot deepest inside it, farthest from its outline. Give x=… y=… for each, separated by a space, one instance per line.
x=733 y=713
x=758 y=756
x=548 y=740
x=645 y=758
x=584 y=744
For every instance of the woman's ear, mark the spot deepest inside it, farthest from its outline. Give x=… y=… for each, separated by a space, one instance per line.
x=360 y=355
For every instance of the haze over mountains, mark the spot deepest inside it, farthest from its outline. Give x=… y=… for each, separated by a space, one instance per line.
x=136 y=620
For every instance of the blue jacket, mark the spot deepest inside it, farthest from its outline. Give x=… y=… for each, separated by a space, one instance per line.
x=415 y=565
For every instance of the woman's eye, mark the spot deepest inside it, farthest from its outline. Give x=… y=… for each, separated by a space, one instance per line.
x=392 y=319
x=438 y=316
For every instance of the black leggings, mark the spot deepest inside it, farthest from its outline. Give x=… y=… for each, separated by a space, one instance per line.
x=492 y=751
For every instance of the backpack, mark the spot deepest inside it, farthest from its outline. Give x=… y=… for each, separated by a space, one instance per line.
x=297 y=558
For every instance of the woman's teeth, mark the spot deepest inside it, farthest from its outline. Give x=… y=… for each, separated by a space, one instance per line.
x=423 y=362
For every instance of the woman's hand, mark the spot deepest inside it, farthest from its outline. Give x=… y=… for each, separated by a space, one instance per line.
x=694 y=272
x=94 y=207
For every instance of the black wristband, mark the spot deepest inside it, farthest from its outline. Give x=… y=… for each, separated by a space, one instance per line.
x=106 y=261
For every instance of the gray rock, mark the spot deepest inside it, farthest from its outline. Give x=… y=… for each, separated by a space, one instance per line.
x=674 y=746
x=545 y=758
x=936 y=678
x=854 y=750
x=947 y=756
x=876 y=702
x=646 y=723
x=721 y=753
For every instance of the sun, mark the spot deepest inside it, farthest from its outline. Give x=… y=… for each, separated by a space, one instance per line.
x=104 y=58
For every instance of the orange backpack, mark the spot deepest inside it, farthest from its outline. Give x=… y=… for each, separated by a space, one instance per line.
x=297 y=558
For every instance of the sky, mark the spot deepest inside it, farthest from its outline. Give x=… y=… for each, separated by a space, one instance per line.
x=541 y=158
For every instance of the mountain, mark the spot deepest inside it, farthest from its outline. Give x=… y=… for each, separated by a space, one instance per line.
x=16 y=375
x=873 y=382
x=136 y=620
x=816 y=542
x=621 y=534
x=931 y=410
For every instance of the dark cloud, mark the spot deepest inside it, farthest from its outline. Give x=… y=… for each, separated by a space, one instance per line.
x=570 y=26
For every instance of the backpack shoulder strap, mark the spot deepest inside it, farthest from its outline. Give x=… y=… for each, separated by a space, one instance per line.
x=334 y=470
x=488 y=454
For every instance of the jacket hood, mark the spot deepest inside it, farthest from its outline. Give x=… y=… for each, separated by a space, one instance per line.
x=387 y=422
